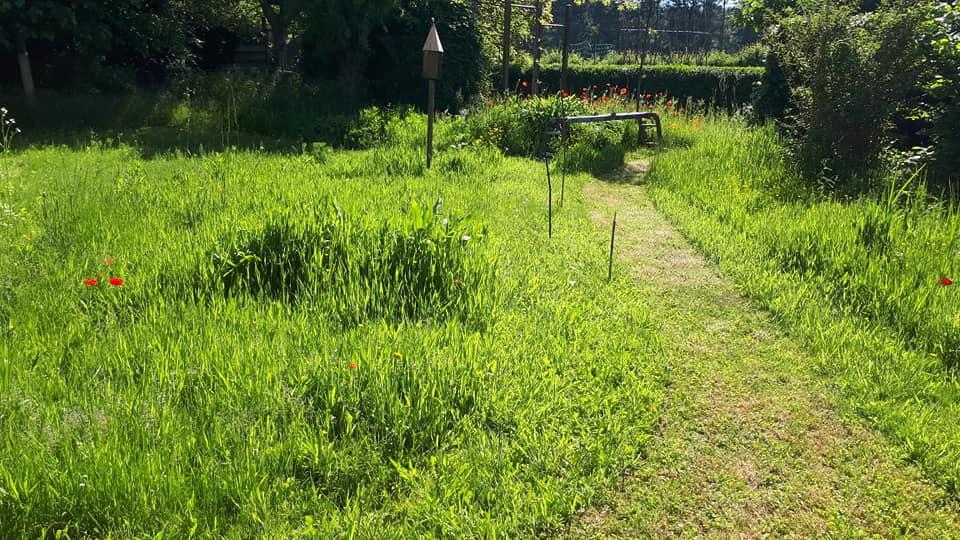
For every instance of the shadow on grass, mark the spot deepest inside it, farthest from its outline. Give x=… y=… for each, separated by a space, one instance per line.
x=637 y=162
x=157 y=142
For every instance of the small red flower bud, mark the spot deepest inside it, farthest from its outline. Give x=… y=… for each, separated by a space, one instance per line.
x=116 y=282
x=91 y=282
x=945 y=281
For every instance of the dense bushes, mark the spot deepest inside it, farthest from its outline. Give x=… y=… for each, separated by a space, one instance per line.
x=516 y=126
x=394 y=69
x=848 y=73
x=723 y=87
x=858 y=90
x=940 y=106
x=749 y=56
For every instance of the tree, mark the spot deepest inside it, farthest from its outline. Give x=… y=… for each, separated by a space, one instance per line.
x=940 y=106
x=847 y=72
x=87 y=35
x=20 y=23
x=282 y=16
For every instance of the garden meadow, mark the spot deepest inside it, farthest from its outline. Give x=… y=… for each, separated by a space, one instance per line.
x=240 y=307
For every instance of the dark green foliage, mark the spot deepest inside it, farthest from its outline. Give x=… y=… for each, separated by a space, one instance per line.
x=940 y=36
x=95 y=44
x=771 y=97
x=423 y=268
x=395 y=64
x=516 y=126
x=723 y=87
x=847 y=75
x=337 y=36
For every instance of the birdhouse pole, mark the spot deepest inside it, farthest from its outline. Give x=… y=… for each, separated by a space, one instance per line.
x=432 y=55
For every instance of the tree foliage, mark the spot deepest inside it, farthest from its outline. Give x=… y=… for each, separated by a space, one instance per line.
x=92 y=42
x=940 y=39
x=848 y=73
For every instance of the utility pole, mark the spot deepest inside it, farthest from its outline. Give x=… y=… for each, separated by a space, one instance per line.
x=723 y=26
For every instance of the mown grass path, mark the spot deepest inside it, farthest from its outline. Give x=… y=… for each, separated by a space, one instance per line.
x=751 y=444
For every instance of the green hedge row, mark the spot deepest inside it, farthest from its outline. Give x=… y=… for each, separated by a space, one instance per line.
x=721 y=86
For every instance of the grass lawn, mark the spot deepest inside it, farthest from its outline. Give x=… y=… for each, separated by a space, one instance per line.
x=232 y=386
x=858 y=279
x=342 y=343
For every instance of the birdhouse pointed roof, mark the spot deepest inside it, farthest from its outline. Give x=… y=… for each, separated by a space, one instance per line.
x=432 y=44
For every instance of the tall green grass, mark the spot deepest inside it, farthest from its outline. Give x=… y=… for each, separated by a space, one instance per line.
x=858 y=278
x=303 y=347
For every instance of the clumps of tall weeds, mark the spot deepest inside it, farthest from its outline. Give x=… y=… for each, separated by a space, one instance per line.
x=421 y=267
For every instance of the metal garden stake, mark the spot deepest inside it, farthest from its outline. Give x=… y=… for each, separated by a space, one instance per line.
x=613 y=235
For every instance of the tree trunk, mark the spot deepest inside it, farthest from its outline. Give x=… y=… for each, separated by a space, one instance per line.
x=26 y=74
x=278 y=21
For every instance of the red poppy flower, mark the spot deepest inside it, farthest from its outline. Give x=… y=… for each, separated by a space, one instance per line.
x=945 y=281
x=564 y=93
x=648 y=96
x=623 y=91
x=352 y=365
x=116 y=282
x=91 y=282
x=523 y=84
x=108 y=261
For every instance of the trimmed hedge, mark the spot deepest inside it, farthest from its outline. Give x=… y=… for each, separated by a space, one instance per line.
x=720 y=86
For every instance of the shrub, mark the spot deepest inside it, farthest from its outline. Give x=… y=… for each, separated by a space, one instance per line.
x=847 y=73
x=940 y=37
x=599 y=147
x=394 y=68
x=771 y=96
x=516 y=126
x=722 y=87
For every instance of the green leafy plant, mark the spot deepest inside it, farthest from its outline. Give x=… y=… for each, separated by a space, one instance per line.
x=8 y=130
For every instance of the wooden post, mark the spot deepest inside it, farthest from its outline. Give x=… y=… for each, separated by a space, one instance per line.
x=723 y=26
x=640 y=74
x=563 y=160
x=646 y=38
x=537 y=35
x=431 y=112
x=507 y=13
x=566 y=50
